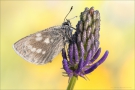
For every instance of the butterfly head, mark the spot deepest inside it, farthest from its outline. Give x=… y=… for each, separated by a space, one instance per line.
x=67 y=23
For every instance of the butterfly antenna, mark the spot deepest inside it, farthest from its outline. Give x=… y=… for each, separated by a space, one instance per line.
x=72 y=18
x=68 y=13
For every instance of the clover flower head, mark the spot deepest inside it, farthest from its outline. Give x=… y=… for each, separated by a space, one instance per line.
x=84 y=48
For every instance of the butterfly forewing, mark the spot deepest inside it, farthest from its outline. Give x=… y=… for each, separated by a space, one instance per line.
x=41 y=47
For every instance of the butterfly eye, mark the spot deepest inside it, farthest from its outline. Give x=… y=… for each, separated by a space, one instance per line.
x=66 y=23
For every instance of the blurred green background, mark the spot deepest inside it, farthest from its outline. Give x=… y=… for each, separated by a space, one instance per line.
x=21 y=18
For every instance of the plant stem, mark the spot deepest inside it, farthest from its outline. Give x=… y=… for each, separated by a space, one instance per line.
x=72 y=83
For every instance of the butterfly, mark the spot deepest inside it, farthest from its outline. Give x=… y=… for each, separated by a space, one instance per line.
x=41 y=47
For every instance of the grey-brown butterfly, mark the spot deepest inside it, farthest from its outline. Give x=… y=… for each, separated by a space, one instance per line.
x=41 y=47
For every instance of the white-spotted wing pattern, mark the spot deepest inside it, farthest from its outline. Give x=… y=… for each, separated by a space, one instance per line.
x=43 y=46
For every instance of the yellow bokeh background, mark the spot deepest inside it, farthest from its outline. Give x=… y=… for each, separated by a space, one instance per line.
x=21 y=18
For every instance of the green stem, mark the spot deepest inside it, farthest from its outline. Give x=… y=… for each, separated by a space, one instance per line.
x=72 y=83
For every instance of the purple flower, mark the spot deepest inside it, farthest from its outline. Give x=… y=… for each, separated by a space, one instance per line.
x=84 y=49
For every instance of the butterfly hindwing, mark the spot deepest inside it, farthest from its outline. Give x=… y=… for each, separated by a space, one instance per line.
x=41 y=47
